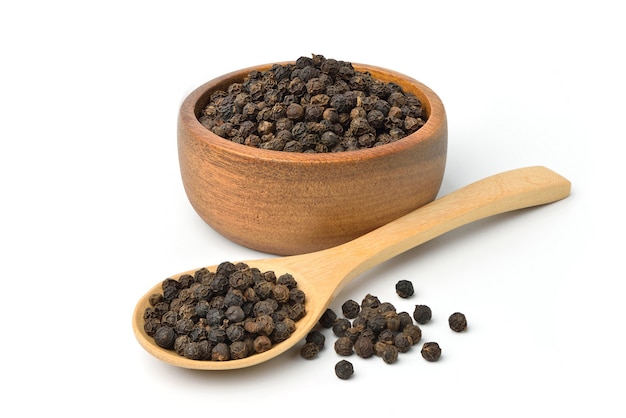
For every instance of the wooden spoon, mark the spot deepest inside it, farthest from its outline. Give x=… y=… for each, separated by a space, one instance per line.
x=323 y=274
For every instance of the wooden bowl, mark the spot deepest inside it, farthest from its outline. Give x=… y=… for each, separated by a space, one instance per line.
x=287 y=203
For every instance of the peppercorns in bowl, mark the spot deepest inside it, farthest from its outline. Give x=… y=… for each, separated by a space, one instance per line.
x=295 y=157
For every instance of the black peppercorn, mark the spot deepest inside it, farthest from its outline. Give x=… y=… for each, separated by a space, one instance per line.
x=457 y=322
x=344 y=346
x=350 y=309
x=316 y=338
x=151 y=325
x=296 y=311
x=265 y=324
x=389 y=354
x=296 y=296
x=235 y=313
x=403 y=342
x=183 y=326
x=394 y=323
x=364 y=347
x=169 y=318
x=193 y=351
x=155 y=298
x=422 y=314
x=290 y=323
x=216 y=335
x=280 y=293
x=404 y=288
x=377 y=323
x=385 y=307
x=353 y=333
x=309 y=350
x=344 y=369
x=264 y=307
x=262 y=343
x=180 y=343
x=235 y=333
x=281 y=331
x=405 y=319
x=215 y=316
x=220 y=352
x=431 y=351
x=370 y=301
x=165 y=337
x=414 y=332
x=328 y=318
x=387 y=336
x=340 y=326
x=238 y=350
x=287 y=280
x=379 y=347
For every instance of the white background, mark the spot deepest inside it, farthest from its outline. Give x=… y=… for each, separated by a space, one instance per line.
x=93 y=211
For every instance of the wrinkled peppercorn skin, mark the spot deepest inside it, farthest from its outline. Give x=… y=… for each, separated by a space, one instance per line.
x=404 y=288
x=344 y=369
x=334 y=107
x=457 y=322
x=231 y=313
x=422 y=314
x=431 y=351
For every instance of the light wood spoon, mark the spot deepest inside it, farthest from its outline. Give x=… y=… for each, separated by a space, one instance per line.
x=323 y=274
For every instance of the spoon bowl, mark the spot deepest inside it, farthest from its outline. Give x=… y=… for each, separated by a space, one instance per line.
x=323 y=274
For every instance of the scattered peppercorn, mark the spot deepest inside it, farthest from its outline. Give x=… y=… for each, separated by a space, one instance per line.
x=231 y=313
x=350 y=309
x=377 y=324
x=344 y=369
x=431 y=351
x=316 y=338
x=344 y=346
x=376 y=328
x=309 y=350
x=422 y=314
x=389 y=354
x=457 y=322
x=314 y=343
x=313 y=105
x=404 y=288
x=328 y=318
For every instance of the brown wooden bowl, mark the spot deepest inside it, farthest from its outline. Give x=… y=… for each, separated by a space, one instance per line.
x=289 y=203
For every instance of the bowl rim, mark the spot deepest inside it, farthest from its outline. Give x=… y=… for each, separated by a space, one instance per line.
x=188 y=119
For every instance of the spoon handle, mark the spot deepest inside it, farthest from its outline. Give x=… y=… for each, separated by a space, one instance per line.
x=504 y=192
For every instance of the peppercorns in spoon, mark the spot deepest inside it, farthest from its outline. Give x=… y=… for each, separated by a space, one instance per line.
x=213 y=318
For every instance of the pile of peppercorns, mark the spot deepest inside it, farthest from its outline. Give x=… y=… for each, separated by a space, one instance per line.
x=375 y=328
x=314 y=105
x=229 y=314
